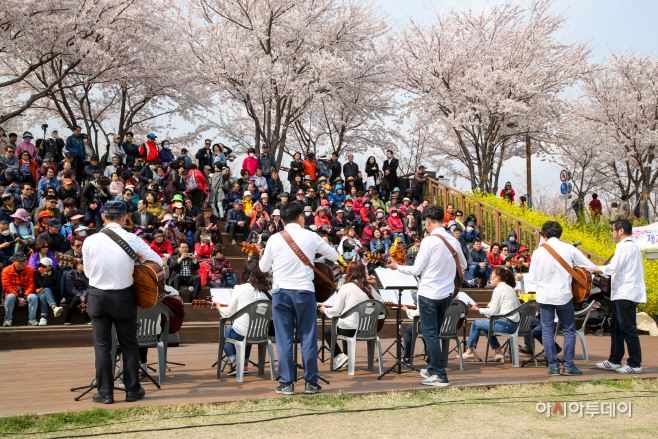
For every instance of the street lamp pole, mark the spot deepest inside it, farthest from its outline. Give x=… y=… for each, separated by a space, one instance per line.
x=528 y=169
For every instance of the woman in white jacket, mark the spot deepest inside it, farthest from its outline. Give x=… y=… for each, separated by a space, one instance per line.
x=503 y=300
x=356 y=289
x=255 y=287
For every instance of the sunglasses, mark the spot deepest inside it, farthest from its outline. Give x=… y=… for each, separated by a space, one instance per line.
x=77 y=245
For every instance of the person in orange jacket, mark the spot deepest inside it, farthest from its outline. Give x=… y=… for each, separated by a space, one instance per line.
x=310 y=166
x=399 y=256
x=18 y=283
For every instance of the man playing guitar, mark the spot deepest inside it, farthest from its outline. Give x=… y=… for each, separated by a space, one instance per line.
x=293 y=295
x=111 y=301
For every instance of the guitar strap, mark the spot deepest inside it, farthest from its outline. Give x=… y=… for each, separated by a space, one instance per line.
x=130 y=252
x=453 y=252
x=302 y=257
x=563 y=263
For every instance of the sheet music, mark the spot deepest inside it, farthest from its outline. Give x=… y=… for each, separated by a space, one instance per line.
x=221 y=295
x=331 y=301
x=393 y=279
x=392 y=296
x=465 y=298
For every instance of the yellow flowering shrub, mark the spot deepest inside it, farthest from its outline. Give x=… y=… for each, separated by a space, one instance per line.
x=595 y=237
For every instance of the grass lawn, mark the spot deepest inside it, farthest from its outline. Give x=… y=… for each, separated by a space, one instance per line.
x=510 y=411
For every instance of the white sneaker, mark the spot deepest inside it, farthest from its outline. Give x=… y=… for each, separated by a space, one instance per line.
x=340 y=361
x=43 y=322
x=629 y=369
x=424 y=374
x=33 y=322
x=436 y=381
x=57 y=311
x=67 y=323
x=7 y=323
x=608 y=365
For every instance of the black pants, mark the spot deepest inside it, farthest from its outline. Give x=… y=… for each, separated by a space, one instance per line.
x=233 y=228
x=73 y=302
x=79 y=170
x=193 y=281
x=407 y=342
x=198 y=196
x=340 y=331
x=623 y=329
x=107 y=307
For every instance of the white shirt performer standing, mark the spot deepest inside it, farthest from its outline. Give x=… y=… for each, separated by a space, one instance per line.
x=112 y=301
x=294 y=296
x=628 y=288
x=554 y=295
x=437 y=268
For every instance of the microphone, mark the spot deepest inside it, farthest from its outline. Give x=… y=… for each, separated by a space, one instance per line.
x=577 y=243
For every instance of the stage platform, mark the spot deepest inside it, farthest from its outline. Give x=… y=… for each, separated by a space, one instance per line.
x=47 y=374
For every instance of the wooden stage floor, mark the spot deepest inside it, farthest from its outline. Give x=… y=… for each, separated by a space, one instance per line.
x=42 y=377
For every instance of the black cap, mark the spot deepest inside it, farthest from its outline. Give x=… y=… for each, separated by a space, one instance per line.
x=54 y=222
x=136 y=168
x=116 y=208
x=20 y=256
x=183 y=151
x=93 y=157
x=285 y=194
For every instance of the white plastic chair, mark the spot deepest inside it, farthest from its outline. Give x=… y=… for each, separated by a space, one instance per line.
x=368 y=313
x=260 y=316
x=527 y=313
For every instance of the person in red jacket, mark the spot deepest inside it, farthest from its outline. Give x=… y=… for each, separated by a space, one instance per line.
x=508 y=193
x=368 y=230
x=251 y=162
x=195 y=184
x=395 y=223
x=310 y=166
x=322 y=220
x=150 y=150
x=160 y=245
x=494 y=256
x=595 y=207
x=365 y=211
x=18 y=283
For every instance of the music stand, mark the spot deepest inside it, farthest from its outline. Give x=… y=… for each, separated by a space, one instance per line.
x=392 y=280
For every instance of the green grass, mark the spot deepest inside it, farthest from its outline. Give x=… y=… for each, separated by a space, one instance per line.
x=450 y=401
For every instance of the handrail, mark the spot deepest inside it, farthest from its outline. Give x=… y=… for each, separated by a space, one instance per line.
x=495 y=223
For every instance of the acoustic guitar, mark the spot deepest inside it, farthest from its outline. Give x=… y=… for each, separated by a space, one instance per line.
x=147 y=293
x=323 y=289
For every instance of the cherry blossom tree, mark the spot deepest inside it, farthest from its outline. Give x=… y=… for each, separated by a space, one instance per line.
x=490 y=79
x=44 y=42
x=622 y=94
x=275 y=57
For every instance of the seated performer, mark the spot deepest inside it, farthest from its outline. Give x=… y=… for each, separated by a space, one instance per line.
x=503 y=300
x=255 y=287
x=294 y=297
x=355 y=290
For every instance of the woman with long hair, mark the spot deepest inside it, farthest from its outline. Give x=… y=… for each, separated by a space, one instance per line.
x=503 y=300
x=255 y=286
x=356 y=289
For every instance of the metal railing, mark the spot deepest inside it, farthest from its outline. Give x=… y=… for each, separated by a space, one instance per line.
x=495 y=224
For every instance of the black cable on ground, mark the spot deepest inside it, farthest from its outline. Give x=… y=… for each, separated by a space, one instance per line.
x=495 y=400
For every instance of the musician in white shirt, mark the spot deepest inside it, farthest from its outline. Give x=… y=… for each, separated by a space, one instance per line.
x=294 y=296
x=436 y=267
x=355 y=290
x=628 y=288
x=111 y=301
x=554 y=295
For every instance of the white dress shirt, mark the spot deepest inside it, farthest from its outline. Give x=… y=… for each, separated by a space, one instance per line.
x=627 y=270
x=242 y=296
x=503 y=300
x=289 y=272
x=436 y=266
x=349 y=296
x=107 y=266
x=553 y=281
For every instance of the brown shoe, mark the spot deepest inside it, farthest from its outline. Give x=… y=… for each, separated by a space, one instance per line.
x=525 y=351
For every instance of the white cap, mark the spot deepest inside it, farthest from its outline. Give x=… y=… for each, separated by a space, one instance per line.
x=276 y=212
x=46 y=261
x=246 y=193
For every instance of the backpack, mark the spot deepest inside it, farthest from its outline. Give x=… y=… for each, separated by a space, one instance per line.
x=191 y=183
